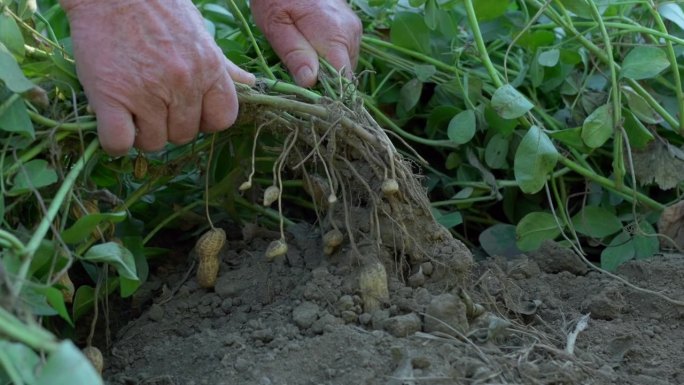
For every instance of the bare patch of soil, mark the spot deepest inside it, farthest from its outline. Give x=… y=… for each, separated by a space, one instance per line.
x=301 y=320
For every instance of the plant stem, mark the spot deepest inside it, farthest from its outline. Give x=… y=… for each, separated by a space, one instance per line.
x=609 y=184
x=262 y=62
x=479 y=41
x=428 y=142
x=31 y=334
x=672 y=56
x=49 y=217
x=618 y=160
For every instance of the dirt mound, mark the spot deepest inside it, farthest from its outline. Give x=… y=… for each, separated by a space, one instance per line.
x=301 y=320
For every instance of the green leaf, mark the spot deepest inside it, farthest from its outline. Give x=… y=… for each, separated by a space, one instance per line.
x=408 y=30
x=534 y=229
x=498 y=124
x=639 y=136
x=114 y=254
x=431 y=14
x=496 y=152
x=448 y=220
x=424 y=71
x=462 y=127
x=549 y=58
x=34 y=174
x=83 y=227
x=509 y=103
x=10 y=35
x=579 y=7
x=640 y=107
x=56 y=300
x=490 y=9
x=619 y=251
x=645 y=242
x=644 y=62
x=672 y=12
x=535 y=157
x=500 y=241
x=409 y=95
x=571 y=137
x=14 y=117
x=23 y=360
x=596 y=222
x=598 y=126
x=68 y=366
x=11 y=74
x=83 y=301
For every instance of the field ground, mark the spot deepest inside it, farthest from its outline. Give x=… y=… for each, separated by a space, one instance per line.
x=297 y=321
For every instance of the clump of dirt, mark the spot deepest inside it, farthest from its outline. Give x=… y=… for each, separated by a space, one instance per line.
x=301 y=320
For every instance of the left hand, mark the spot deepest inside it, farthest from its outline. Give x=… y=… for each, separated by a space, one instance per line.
x=301 y=30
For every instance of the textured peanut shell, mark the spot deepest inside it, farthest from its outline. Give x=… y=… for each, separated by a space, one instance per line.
x=207 y=272
x=210 y=243
x=94 y=355
x=373 y=286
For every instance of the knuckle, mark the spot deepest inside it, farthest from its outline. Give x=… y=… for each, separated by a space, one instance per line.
x=179 y=72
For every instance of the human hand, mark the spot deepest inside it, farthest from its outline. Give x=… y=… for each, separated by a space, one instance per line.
x=151 y=72
x=300 y=30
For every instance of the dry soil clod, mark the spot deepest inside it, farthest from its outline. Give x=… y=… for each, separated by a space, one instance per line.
x=94 y=355
x=208 y=247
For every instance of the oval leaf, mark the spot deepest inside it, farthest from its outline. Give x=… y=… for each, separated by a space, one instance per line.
x=672 y=12
x=535 y=158
x=644 y=62
x=596 y=222
x=496 y=152
x=11 y=74
x=116 y=255
x=409 y=95
x=67 y=366
x=462 y=127
x=534 y=229
x=35 y=174
x=509 y=103
x=500 y=241
x=83 y=227
x=619 y=251
x=549 y=58
x=598 y=126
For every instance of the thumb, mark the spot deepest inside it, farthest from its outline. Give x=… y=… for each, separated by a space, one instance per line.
x=292 y=47
x=115 y=128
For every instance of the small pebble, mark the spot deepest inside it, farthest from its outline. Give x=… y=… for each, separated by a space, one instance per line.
x=156 y=312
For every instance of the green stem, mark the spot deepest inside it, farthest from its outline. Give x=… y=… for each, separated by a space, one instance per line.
x=50 y=123
x=479 y=41
x=49 y=217
x=170 y=218
x=598 y=52
x=672 y=56
x=407 y=135
x=618 y=160
x=262 y=62
x=31 y=335
x=12 y=241
x=624 y=191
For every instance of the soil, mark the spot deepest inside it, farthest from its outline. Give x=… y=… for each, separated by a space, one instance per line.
x=300 y=320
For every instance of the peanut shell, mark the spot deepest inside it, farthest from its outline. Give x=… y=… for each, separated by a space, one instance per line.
x=94 y=355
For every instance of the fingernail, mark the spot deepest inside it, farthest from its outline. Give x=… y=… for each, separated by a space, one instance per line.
x=304 y=76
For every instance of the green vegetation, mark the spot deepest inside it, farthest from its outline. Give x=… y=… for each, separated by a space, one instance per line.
x=532 y=120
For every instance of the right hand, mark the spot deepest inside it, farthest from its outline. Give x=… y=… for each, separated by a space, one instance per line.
x=151 y=72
